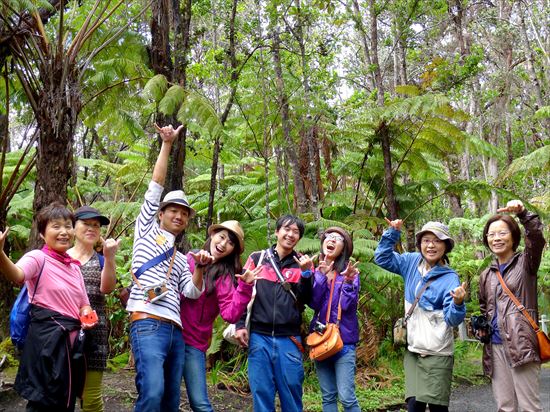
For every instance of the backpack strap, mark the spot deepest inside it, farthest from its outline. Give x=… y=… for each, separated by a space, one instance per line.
x=155 y=261
x=38 y=280
x=101 y=260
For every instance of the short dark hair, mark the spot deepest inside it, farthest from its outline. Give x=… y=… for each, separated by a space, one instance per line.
x=512 y=226
x=55 y=210
x=288 y=220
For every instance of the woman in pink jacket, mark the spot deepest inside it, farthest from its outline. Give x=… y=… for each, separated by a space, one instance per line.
x=226 y=293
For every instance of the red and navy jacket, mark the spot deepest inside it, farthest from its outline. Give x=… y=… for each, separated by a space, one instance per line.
x=274 y=311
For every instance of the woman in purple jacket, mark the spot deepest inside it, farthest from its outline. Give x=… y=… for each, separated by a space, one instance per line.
x=337 y=374
x=227 y=293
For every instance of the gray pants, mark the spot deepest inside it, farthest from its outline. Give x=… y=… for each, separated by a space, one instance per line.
x=516 y=388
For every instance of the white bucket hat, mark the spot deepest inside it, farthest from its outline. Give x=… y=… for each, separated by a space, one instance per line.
x=177 y=197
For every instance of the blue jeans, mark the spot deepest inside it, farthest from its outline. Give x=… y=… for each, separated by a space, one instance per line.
x=194 y=374
x=275 y=365
x=337 y=380
x=159 y=354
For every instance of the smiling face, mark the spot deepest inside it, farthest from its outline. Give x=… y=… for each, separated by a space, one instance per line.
x=58 y=234
x=500 y=240
x=87 y=231
x=287 y=237
x=333 y=245
x=221 y=244
x=432 y=248
x=174 y=218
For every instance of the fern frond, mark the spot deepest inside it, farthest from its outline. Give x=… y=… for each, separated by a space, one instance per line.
x=535 y=162
x=173 y=98
x=156 y=87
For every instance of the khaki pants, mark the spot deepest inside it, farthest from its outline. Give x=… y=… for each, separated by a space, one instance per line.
x=515 y=389
x=91 y=397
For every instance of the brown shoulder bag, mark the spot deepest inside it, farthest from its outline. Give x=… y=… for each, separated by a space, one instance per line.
x=544 y=341
x=325 y=340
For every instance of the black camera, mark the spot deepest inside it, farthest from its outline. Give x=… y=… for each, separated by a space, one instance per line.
x=319 y=327
x=480 y=323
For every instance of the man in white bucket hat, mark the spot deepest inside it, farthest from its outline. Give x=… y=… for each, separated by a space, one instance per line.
x=161 y=274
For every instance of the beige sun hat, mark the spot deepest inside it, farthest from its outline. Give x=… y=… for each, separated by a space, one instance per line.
x=234 y=227
x=440 y=230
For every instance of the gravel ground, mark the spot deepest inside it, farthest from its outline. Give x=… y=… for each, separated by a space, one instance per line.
x=480 y=398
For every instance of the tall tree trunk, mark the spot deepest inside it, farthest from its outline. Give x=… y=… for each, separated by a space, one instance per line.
x=225 y=114
x=290 y=147
x=181 y=18
x=456 y=14
x=58 y=106
x=6 y=289
x=500 y=108
x=372 y=65
x=535 y=82
x=359 y=26
x=382 y=131
x=161 y=63
x=327 y=147
x=311 y=161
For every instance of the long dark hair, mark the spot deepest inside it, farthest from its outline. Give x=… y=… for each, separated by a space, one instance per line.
x=228 y=266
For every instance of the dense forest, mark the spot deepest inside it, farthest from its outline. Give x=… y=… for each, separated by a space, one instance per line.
x=343 y=112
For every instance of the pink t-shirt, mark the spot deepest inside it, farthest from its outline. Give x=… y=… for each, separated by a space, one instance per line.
x=61 y=287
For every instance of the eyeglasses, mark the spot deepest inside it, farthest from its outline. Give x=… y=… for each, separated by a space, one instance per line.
x=501 y=234
x=435 y=242
x=334 y=236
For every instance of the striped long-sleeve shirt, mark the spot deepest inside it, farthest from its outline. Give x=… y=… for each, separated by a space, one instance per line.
x=150 y=241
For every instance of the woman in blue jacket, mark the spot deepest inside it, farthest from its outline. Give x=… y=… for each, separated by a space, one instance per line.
x=337 y=374
x=430 y=345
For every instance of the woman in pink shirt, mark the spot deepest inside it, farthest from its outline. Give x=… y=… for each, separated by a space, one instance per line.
x=227 y=293
x=48 y=375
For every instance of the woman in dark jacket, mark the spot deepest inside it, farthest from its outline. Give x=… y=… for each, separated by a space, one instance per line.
x=336 y=374
x=511 y=357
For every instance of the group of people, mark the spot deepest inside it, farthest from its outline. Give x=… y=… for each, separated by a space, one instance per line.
x=175 y=299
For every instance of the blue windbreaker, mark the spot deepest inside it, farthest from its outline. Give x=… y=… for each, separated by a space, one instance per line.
x=437 y=296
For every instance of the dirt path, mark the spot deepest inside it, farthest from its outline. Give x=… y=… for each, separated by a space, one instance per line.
x=120 y=394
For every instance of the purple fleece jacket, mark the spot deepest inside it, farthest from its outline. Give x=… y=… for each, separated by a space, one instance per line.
x=198 y=315
x=349 y=325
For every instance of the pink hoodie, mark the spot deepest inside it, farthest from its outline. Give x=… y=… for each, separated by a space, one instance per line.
x=198 y=315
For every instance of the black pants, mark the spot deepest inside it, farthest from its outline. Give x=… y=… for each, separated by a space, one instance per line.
x=415 y=406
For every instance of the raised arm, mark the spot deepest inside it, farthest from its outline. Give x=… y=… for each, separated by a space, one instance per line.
x=168 y=136
x=385 y=256
x=108 y=274
x=7 y=267
x=534 y=240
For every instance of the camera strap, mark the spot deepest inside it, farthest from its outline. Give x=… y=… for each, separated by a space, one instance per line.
x=418 y=296
x=286 y=285
x=155 y=261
